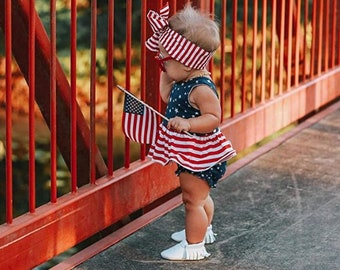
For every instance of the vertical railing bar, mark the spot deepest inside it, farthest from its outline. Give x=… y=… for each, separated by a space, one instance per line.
x=312 y=58
x=290 y=49
x=73 y=68
x=255 y=15
x=110 y=45
x=128 y=71
x=173 y=6
x=272 y=54
x=327 y=34
x=282 y=46
x=143 y=65
x=319 y=69
x=233 y=59
x=222 y=65
x=327 y=21
x=53 y=105
x=93 y=91
x=305 y=25
x=8 y=67
x=244 y=55
x=264 y=51
x=31 y=112
x=338 y=38
x=297 y=42
x=212 y=12
x=333 y=34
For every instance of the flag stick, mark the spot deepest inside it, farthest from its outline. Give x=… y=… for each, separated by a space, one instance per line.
x=148 y=106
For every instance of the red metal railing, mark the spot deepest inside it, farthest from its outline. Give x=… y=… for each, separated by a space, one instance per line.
x=278 y=62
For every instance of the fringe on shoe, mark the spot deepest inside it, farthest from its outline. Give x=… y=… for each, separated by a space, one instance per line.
x=209 y=237
x=183 y=251
x=196 y=251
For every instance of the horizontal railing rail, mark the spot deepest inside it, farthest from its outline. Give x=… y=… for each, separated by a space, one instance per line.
x=67 y=170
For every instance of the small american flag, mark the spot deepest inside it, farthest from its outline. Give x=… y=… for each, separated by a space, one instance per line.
x=139 y=122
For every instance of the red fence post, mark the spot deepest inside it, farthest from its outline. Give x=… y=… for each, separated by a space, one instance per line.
x=9 y=169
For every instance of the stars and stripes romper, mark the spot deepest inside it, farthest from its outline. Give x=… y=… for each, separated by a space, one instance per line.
x=203 y=155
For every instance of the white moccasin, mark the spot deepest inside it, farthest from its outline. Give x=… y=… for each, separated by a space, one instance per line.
x=184 y=251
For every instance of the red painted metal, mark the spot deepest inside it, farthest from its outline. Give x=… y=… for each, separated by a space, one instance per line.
x=281 y=30
x=338 y=36
x=304 y=45
x=73 y=85
x=254 y=61
x=244 y=55
x=319 y=37
x=110 y=48
x=9 y=168
x=53 y=100
x=143 y=149
x=297 y=43
x=31 y=82
x=314 y=36
x=333 y=36
x=289 y=15
x=121 y=233
x=152 y=71
x=78 y=216
x=93 y=91
x=128 y=33
x=272 y=50
x=223 y=57
x=55 y=227
x=264 y=51
x=233 y=60
x=326 y=36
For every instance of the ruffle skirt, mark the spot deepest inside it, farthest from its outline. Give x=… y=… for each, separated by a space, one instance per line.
x=195 y=153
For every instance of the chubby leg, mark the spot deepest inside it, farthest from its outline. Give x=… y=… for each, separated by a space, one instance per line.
x=209 y=208
x=198 y=207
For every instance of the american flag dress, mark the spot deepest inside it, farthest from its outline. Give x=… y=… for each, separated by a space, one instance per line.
x=195 y=153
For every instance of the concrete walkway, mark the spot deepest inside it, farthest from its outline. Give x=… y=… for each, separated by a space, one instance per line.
x=281 y=210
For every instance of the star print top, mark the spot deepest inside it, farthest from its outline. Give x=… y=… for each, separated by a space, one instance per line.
x=196 y=152
x=179 y=104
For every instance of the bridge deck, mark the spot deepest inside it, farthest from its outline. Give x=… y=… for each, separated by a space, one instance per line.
x=279 y=209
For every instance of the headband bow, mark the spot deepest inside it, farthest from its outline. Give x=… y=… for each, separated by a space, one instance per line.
x=159 y=23
x=177 y=46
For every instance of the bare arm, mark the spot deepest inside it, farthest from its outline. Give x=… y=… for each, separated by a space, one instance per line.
x=165 y=86
x=207 y=102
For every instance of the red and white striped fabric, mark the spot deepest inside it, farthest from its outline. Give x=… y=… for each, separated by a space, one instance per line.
x=194 y=153
x=177 y=46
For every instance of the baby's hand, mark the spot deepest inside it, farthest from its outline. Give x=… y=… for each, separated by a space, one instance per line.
x=179 y=124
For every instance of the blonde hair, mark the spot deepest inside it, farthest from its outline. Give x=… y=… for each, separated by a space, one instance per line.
x=197 y=27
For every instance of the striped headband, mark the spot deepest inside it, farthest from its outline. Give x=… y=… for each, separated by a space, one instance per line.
x=177 y=46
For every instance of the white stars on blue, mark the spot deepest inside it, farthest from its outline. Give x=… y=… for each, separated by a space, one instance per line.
x=179 y=104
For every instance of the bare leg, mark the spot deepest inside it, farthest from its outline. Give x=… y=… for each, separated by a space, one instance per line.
x=209 y=209
x=196 y=199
